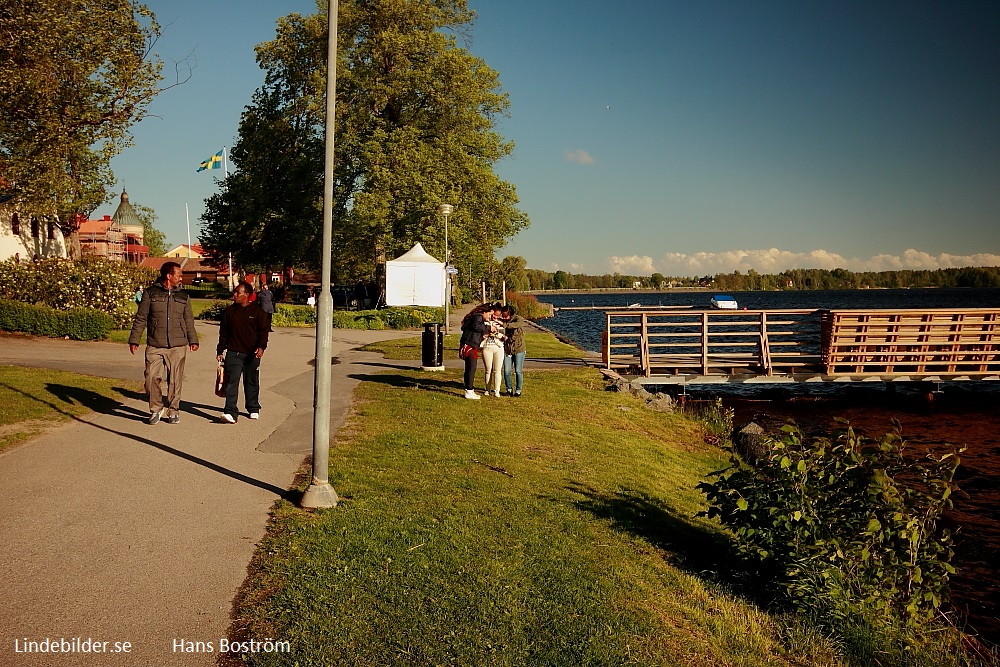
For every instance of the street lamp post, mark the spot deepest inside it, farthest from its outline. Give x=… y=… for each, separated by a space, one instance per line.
x=320 y=493
x=445 y=210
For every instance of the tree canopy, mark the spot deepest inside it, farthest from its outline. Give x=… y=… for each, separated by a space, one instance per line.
x=76 y=75
x=415 y=128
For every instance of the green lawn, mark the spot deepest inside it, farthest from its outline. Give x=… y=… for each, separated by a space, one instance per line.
x=539 y=345
x=33 y=399
x=556 y=529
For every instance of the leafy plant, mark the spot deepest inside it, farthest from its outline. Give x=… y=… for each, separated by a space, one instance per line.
x=844 y=524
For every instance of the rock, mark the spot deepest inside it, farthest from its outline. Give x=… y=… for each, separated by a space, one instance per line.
x=752 y=443
x=660 y=402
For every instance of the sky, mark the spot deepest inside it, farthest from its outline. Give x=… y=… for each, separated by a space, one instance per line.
x=685 y=138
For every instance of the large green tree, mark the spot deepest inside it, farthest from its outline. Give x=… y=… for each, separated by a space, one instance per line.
x=415 y=127
x=75 y=76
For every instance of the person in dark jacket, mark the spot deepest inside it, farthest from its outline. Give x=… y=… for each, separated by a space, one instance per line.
x=475 y=324
x=243 y=337
x=514 y=351
x=165 y=313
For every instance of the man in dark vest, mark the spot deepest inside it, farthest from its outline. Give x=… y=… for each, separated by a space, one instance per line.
x=165 y=313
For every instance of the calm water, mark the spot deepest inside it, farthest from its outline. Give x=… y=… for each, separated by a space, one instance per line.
x=965 y=414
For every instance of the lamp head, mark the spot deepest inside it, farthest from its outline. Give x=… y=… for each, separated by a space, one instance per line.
x=445 y=209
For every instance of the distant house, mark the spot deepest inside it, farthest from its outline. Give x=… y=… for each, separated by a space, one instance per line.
x=116 y=237
x=194 y=251
x=26 y=237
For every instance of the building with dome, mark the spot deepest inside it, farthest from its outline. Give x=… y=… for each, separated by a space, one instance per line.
x=117 y=237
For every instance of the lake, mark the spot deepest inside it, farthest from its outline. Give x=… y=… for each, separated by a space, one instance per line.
x=963 y=414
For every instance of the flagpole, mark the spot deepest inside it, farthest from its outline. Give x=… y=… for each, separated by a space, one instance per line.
x=187 y=218
x=225 y=162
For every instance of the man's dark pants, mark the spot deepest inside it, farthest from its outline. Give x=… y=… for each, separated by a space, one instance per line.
x=247 y=365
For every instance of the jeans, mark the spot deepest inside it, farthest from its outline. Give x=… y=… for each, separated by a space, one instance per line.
x=514 y=362
x=247 y=365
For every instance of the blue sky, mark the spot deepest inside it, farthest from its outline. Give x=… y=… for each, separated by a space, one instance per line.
x=679 y=137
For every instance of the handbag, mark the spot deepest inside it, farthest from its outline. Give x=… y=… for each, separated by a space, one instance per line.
x=221 y=380
x=467 y=352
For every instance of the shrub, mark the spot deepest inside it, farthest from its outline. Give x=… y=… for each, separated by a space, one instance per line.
x=844 y=525
x=528 y=306
x=62 y=284
x=77 y=323
x=214 y=311
x=293 y=316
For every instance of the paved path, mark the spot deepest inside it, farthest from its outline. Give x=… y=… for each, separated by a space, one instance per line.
x=119 y=531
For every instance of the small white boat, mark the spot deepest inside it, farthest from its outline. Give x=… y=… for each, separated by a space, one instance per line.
x=724 y=302
x=634 y=305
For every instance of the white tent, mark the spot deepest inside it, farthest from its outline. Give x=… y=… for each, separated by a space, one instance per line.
x=414 y=279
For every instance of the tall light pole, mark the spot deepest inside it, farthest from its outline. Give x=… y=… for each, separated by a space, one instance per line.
x=320 y=493
x=445 y=210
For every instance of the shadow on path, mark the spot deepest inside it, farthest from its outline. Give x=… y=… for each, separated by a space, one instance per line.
x=108 y=406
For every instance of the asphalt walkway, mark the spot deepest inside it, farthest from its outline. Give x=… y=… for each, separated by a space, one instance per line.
x=119 y=531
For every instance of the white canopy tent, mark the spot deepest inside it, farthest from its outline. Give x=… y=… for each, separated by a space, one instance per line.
x=415 y=279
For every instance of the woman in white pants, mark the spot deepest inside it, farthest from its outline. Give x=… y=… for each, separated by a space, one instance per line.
x=493 y=353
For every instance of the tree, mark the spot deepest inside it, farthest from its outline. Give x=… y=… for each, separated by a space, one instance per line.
x=512 y=270
x=415 y=128
x=657 y=280
x=76 y=76
x=152 y=237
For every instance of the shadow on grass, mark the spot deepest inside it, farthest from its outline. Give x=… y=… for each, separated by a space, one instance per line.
x=109 y=406
x=405 y=382
x=709 y=555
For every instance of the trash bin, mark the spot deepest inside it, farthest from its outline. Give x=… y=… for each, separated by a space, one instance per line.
x=432 y=347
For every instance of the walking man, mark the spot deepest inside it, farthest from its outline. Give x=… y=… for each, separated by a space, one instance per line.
x=243 y=337
x=165 y=313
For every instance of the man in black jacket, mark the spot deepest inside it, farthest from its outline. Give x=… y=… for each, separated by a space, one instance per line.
x=165 y=313
x=243 y=337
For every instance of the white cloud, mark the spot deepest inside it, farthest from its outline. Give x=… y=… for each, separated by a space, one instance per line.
x=774 y=260
x=632 y=266
x=575 y=267
x=580 y=156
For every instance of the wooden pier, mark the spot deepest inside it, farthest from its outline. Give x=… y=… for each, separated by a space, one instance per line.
x=760 y=346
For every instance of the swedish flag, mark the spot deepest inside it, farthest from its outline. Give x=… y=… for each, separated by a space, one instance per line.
x=214 y=162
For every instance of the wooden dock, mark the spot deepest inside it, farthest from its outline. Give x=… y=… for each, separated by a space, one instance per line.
x=755 y=346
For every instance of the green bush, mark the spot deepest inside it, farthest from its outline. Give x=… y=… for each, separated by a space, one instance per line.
x=62 y=284
x=293 y=316
x=214 y=311
x=527 y=306
x=77 y=323
x=844 y=525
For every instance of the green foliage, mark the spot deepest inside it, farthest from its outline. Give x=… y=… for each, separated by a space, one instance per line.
x=286 y=315
x=152 y=237
x=63 y=284
x=214 y=312
x=58 y=140
x=715 y=418
x=844 y=525
x=416 y=123
x=76 y=323
x=527 y=306
x=293 y=316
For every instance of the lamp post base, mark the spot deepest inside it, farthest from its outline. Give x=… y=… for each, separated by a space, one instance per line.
x=319 y=495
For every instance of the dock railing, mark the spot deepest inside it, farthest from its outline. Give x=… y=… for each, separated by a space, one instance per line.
x=827 y=342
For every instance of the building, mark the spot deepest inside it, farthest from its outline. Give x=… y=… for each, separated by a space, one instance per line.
x=194 y=251
x=117 y=237
x=26 y=237
x=193 y=270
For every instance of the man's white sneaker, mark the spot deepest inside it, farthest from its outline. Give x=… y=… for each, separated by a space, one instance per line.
x=254 y=415
x=228 y=418
x=471 y=394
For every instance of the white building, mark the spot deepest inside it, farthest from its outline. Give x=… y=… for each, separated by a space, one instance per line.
x=27 y=237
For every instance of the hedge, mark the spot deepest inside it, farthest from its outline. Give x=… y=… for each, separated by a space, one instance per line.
x=305 y=316
x=76 y=323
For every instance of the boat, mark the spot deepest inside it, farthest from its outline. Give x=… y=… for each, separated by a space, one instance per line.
x=724 y=302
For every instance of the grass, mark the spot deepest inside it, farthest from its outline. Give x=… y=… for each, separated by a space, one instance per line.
x=33 y=400
x=557 y=529
x=539 y=345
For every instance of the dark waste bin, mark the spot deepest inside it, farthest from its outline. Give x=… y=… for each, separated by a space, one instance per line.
x=432 y=345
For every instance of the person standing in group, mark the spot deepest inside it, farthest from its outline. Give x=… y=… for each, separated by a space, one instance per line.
x=492 y=351
x=514 y=351
x=266 y=300
x=165 y=313
x=243 y=337
x=311 y=298
x=474 y=325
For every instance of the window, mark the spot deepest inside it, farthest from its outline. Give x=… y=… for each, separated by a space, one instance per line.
x=52 y=230
x=15 y=225
x=34 y=228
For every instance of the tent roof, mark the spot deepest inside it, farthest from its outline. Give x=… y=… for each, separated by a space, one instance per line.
x=416 y=254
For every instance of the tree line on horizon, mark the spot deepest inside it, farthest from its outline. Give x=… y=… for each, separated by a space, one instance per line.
x=518 y=277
